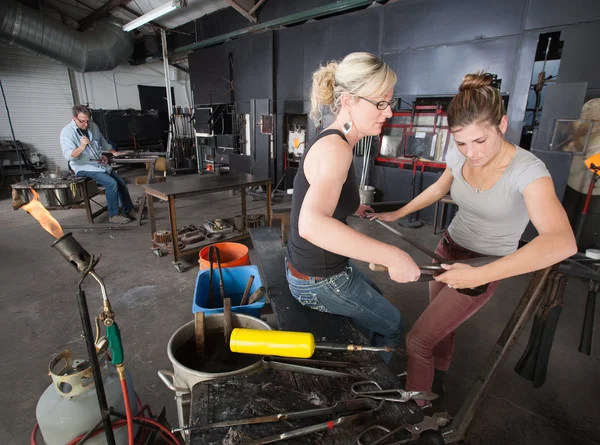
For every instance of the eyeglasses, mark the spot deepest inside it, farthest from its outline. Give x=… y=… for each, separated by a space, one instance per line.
x=382 y=104
x=83 y=122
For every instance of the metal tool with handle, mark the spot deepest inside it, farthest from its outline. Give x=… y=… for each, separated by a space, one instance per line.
x=289 y=344
x=341 y=422
x=389 y=395
x=434 y=423
x=341 y=407
x=479 y=261
x=307 y=366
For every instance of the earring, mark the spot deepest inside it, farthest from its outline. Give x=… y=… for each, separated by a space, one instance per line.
x=347 y=127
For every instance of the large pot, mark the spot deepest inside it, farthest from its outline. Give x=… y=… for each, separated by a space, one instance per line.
x=59 y=197
x=182 y=379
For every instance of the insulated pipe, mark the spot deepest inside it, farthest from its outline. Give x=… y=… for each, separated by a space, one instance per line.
x=99 y=49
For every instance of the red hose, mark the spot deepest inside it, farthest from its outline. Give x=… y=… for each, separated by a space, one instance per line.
x=127 y=411
x=169 y=437
x=165 y=432
x=34 y=433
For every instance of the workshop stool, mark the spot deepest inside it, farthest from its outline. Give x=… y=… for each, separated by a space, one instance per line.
x=442 y=202
x=283 y=214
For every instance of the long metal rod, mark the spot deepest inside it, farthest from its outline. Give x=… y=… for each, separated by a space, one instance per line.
x=96 y=372
x=165 y=56
x=527 y=306
x=12 y=132
x=343 y=406
x=413 y=243
x=101 y=283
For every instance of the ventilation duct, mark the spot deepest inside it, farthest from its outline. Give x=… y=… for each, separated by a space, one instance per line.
x=98 y=49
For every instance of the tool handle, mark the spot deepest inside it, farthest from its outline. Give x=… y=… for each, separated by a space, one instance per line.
x=377 y=267
x=113 y=334
x=587 y=329
x=426 y=273
x=199 y=330
x=247 y=290
x=257 y=295
x=227 y=319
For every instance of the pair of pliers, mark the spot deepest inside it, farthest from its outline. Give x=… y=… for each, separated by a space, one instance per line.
x=434 y=423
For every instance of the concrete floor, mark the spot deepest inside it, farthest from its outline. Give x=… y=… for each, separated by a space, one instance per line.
x=151 y=300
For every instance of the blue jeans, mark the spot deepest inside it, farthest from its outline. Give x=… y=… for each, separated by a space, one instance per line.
x=115 y=189
x=350 y=293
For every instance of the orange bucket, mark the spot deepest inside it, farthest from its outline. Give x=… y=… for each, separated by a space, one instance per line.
x=232 y=255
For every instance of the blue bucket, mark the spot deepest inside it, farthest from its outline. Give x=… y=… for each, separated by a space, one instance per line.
x=235 y=280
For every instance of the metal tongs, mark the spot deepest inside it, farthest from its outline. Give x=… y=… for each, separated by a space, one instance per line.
x=311 y=366
x=434 y=423
x=389 y=395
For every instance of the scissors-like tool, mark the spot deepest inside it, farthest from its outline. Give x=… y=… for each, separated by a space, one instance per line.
x=390 y=395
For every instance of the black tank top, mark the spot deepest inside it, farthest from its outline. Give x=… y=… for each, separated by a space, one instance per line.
x=305 y=256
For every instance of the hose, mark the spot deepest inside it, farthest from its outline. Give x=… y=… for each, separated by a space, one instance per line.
x=169 y=437
x=32 y=439
x=145 y=422
x=127 y=406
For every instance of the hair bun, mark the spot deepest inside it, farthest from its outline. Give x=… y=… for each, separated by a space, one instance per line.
x=476 y=81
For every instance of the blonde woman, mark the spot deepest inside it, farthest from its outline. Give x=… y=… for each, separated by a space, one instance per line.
x=498 y=187
x=359 y=91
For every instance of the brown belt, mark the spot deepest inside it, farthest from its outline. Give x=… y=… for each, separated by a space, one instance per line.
x=300 y=275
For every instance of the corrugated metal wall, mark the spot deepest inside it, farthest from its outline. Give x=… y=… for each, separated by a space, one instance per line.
x=39 y=98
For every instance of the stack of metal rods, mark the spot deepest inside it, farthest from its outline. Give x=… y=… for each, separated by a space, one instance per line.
x=183 y=134
x=364 y=147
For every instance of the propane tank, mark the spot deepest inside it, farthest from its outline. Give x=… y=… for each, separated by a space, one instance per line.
x=69 y=406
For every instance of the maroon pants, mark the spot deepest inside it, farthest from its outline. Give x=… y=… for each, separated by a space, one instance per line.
x=430 y=342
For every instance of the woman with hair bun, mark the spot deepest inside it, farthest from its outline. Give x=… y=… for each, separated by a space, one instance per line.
x=358 y=90
x=498 y=187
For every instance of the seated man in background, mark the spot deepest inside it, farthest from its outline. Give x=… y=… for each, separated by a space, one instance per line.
x=82 y=145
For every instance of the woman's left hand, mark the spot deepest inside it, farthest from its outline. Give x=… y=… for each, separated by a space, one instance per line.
x=461 y=276
x=364 y=210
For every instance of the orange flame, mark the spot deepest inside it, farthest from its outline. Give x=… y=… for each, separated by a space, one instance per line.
x=39 y=212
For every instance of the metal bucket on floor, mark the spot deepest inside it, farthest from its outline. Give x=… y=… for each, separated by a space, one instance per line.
x=182 y=379
x=367 y=195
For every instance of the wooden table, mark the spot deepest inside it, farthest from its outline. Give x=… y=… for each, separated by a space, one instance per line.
x=180 y=187
x=262 y=392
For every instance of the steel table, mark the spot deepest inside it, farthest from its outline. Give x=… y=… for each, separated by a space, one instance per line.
x=180 y=187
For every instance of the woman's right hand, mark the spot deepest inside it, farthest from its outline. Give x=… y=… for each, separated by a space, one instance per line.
x=384 y=216
x=403 y=269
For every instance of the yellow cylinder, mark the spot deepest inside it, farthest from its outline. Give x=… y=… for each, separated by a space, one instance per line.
x=281 y=343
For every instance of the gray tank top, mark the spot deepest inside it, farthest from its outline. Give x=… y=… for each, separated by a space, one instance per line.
x=492 y=221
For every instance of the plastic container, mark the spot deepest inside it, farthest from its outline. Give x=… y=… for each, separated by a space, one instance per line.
x=235 y=280
x=232 y=255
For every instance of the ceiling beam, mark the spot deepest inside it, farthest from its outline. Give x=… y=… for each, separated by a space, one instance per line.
x=100 y=12
x=258 y=5
x=243 y=7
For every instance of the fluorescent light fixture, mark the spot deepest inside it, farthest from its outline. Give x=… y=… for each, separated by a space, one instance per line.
x=154 y=14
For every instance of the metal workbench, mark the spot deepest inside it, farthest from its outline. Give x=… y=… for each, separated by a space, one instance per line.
x=258 y=393
x=84 y=187
x=180 y=187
